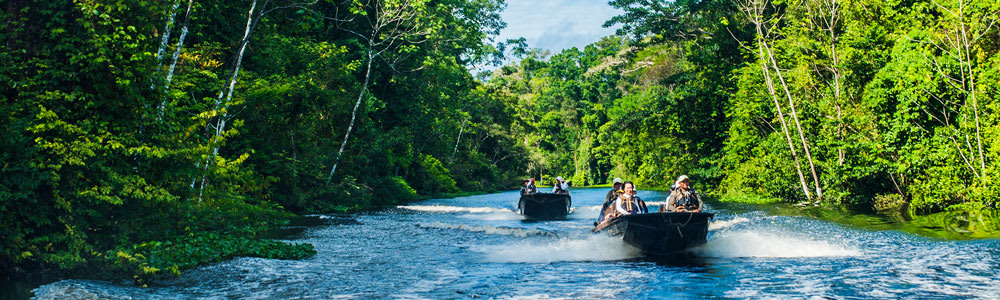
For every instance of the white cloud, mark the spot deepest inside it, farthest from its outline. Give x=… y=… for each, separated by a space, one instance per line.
x=557 y=24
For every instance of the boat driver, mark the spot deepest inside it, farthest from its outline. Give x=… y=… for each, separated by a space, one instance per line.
x=684 y=198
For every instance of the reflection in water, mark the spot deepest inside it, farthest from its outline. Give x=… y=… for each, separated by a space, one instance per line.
x=479 y=247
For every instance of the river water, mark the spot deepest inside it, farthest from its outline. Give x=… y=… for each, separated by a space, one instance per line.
x=479 y=247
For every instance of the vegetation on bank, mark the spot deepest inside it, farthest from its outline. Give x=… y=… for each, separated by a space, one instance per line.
x=869 y=105
x=142 y=137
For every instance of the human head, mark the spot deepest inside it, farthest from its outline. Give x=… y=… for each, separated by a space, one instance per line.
x=618 y=183
x=532 y=180
x=684 y=181
x=629 y=187
x=559 y=178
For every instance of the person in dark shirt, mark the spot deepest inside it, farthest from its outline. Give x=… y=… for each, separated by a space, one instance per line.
x=529 y=187
x=610 y=198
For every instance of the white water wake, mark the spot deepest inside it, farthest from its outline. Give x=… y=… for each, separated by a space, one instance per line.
x=723 y=224
x=497 y=230
x=756 y=244
x=453 y=209
x=589 y=248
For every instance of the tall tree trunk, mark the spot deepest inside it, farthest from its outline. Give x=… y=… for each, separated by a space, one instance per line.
x=166 y=34
x=354 y=113
x=781 y=114
x=220 y=126
x=754 y=9
x=966 y=48
x=177 y=54
x=831 y=26
x=798 y=125
x=455 y=151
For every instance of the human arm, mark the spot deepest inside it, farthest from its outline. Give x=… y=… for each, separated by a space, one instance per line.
x=697 y=197
x=672 y=202
x=619 y=208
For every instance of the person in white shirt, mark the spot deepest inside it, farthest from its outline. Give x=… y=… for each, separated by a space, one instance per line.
x=561 y=187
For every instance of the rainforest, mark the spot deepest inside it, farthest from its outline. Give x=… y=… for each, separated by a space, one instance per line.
x=141 y=138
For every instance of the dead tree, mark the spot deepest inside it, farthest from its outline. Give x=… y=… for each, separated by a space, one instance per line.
x=959 y=31
x=384 y=25
x=754 y=11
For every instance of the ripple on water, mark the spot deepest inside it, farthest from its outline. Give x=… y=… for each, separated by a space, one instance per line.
x=479 y=247
x=593 y=247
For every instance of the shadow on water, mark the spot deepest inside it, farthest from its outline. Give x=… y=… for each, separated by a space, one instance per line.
x=297 y=226
x=20 y=289
x=686 y=260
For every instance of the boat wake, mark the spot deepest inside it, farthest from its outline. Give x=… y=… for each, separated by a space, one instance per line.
x=588 y=248
x=756 y=244
x=723 y=224
x=454 y=209
x=496 y=230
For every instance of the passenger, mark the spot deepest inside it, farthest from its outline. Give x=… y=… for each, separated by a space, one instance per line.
x=684 y=198
x=610 y=198
x=628 y=203
x=529 y=187
x=561 y=187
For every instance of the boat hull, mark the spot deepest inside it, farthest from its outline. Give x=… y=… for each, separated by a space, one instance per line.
x=660 y=234
x=545 y=205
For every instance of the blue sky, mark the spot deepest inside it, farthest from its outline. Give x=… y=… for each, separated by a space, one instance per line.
x=557 y=24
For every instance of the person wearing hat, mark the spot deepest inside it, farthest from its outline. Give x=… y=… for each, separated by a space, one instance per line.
x=561 y=187
x=684 y=198
x=610 y=197
x=529 y=187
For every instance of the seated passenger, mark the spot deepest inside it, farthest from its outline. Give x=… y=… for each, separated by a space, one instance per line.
x=529 y=187
x=560 y=187
x=610 y=198
x=684 y=198
x=628 y=203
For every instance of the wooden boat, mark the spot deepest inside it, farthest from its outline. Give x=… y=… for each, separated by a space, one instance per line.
x=661 y=233
x=544 y=205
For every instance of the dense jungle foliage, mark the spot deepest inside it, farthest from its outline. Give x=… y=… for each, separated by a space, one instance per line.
x=869 y=105
x=141 y=137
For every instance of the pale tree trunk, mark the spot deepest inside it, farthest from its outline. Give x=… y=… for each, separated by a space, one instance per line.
x=961 y=47
x=354 y=114
x=166 y=35
x=461 y=129
x=753 y=10
x=966 y=46
x=177 y=53
x=781 y=116
x=392 y=23
x=832 y=19
x=798 y=125
x=219 y=104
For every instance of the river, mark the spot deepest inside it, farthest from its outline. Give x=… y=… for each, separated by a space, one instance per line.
x=479 y=247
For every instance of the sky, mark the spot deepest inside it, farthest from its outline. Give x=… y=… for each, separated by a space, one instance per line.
x=557 y=24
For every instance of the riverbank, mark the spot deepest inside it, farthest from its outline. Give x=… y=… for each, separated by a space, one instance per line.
x=246 y=232
x=208 y=236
